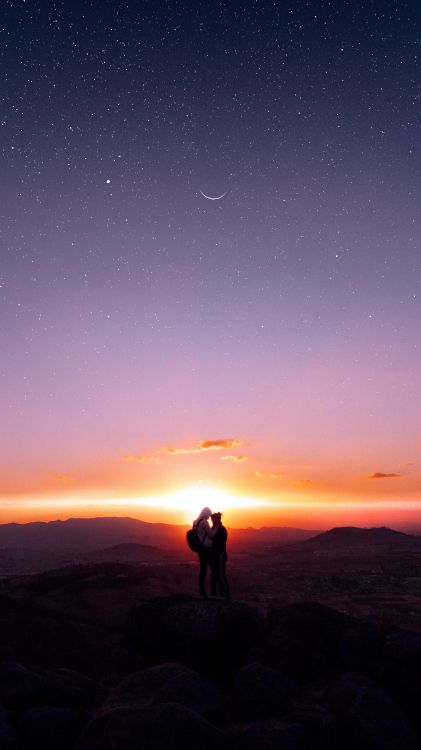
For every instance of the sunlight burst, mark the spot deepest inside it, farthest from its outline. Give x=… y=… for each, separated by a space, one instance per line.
x=189 y=501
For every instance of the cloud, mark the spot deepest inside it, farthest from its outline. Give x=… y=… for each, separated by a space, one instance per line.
x=62 y=478
x=225 y=444
x=268 y=474
x=235 y=459
x=380 y=475
x=205 y=445
x=302 y=482
x=140 y=459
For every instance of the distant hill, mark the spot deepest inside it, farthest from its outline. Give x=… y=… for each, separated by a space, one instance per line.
x=412 y=528
x=85 y=534
x=268 y=536
x=353 y=537
x=89 y=534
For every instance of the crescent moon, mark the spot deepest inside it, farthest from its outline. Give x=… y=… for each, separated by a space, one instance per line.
x=209 y=197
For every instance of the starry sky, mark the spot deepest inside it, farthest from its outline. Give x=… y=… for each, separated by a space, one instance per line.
x=263 y=346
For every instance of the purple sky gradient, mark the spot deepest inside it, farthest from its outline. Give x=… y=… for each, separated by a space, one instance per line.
x=136 y=315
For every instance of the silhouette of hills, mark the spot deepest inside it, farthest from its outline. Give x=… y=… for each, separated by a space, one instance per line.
x=82 y=534
x=269 y=535
x=88 y=534
x=41 y=546
x=354 y=537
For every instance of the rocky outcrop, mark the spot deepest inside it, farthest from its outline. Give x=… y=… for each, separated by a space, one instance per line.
x=372 y=718
x=401 y=671
x=166 y=725
x=309 y=640
x=22 y=687
x=49 y=728
x=269 y=735
x=261 y=692
x=211 y=636
x=168 y=683
x=306 y=678
x=8 y=737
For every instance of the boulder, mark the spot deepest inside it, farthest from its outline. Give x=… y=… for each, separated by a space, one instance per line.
x=345 y=690
x=168 y=683
x=167 y=725
x=260 y=692
x=310 y=640
x=402 y=668
x=49 y=728
x=22 y=687
x=370 y=718
x=402 y=651
x=33 y=634
x=211 y=636
x=305 y=637
x=8 y=738
x=361 y=648
x=319 y=725
x=74 y=690
x=378 y=723
x=268 y=735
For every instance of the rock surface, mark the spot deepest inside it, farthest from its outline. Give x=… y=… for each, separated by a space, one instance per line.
x=261 y=692
x=210 y=636
x=269 y=735
x=167 y=725
x=306 y=678
x=22 y=687
x=310 y=640
x=168 y=683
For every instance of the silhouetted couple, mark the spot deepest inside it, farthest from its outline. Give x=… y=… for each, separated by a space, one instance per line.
x=212 y=552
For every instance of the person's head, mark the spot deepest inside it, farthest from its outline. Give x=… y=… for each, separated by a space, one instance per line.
x=216 y=519
x=204 y=513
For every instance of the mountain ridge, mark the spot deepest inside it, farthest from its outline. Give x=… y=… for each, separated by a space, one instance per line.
x=356 y=537
x=89 y=534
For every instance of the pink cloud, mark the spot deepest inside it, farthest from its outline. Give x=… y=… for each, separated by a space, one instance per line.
x=268 y=474
x=234 y=459
x=205 y=445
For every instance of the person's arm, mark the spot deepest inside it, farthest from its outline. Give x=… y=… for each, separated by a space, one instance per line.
x=204 y=530
x=211 y=532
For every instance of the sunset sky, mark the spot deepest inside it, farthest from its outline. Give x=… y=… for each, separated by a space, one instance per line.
x=159 y=350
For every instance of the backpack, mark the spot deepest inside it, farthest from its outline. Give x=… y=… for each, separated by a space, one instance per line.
x=192 y=538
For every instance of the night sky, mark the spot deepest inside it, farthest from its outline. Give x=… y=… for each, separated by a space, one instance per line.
x=152 y=341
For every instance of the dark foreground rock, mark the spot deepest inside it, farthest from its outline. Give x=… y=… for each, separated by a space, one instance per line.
x=378 y=722
x=168 y=683
x=168 y=725
x=33 y=634
x=261 y=692
x=24 y=687
x=402 y=669
x=238 y=685
x=49 y=727
x=370 y=718
x=211 y=636
x=308 y=640
x=8 y=737
x=319 y=725
x=268 y=735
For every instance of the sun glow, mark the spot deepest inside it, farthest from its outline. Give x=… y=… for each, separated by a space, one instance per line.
x=190 y=500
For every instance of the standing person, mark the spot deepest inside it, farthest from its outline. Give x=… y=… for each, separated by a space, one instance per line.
x=219 y=583
x=205 y=535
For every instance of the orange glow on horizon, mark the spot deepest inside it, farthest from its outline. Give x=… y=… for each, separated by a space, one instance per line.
x=183 y=505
